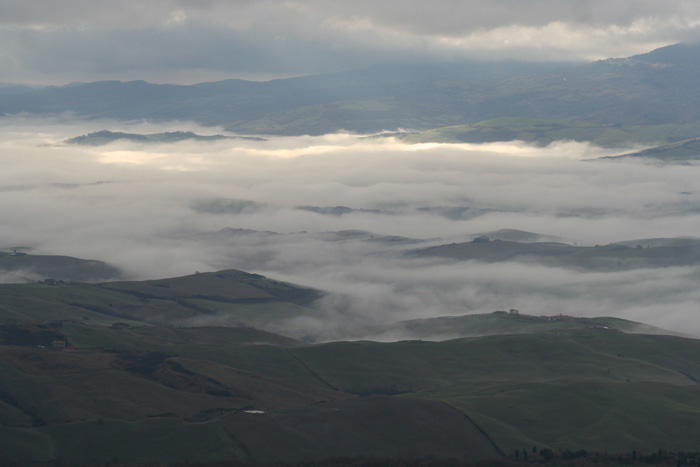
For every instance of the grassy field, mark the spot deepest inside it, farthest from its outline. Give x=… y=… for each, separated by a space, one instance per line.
x=596 y=355
x=225 y=298
x=168 y=339
x=502 y=322
x=132 y=391
x=25 y=444
x=581 y=414
x=594 y=390
x=571 y=388
x=377 y=426
x=143 y=441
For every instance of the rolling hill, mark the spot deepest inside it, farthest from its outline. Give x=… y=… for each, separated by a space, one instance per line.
x=252 y=401
x=224 y=298
x=84 y=365
x=611 y=257
x=495 y=323
x=605 y=98
x=19 y=266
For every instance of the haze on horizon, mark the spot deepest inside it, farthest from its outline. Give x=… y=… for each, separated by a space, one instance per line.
x=173 y=41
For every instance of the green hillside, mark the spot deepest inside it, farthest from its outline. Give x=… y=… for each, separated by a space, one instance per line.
x=229 y=298
x=590 y=388
x=29 y=267
x=582 y=415
x=78 y=383
x=377 y=426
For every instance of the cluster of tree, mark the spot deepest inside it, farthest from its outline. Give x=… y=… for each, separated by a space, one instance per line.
x=536 y=456
x=582 y=457
x=330 y=462
x=29 y=334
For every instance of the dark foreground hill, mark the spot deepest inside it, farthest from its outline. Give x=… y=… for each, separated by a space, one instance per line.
x=388 y=427
x=224 y=298
x=78 y=383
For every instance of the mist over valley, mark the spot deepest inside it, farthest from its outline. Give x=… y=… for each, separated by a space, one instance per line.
x=343 y=214
x=317 y=233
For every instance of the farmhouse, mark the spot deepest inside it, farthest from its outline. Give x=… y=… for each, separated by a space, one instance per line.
x=58 y=345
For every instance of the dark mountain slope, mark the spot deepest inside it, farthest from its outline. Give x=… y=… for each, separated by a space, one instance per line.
x=225 y=298
x=227 y=286
x=658 y=87
x=146 y=394
x=81 y=380
x=372 y=426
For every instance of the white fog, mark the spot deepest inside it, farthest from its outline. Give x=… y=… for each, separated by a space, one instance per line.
x=162 y=210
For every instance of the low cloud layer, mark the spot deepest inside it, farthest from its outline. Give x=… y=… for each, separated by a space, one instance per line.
x=166 y=210
x=175 y=41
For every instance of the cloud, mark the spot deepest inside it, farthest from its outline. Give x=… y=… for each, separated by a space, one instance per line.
x=177 y=41
x=173 y=209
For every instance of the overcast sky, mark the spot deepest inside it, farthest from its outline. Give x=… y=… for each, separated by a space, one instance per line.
x=180 y=41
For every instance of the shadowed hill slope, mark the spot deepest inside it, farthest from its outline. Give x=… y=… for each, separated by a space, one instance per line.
x=371 y=426
x=648 y=89
x=612 y=257
x=229 y=285
x=29 y=268
x=78 y=383
x=228 y=298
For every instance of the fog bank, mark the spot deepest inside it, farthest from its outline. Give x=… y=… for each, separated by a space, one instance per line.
x=271 y=207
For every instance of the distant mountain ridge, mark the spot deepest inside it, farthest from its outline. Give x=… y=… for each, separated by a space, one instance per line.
x=612 y=257
x=653 y=88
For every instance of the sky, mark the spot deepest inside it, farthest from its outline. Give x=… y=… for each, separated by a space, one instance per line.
x=165 y=210
x=180 y=41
